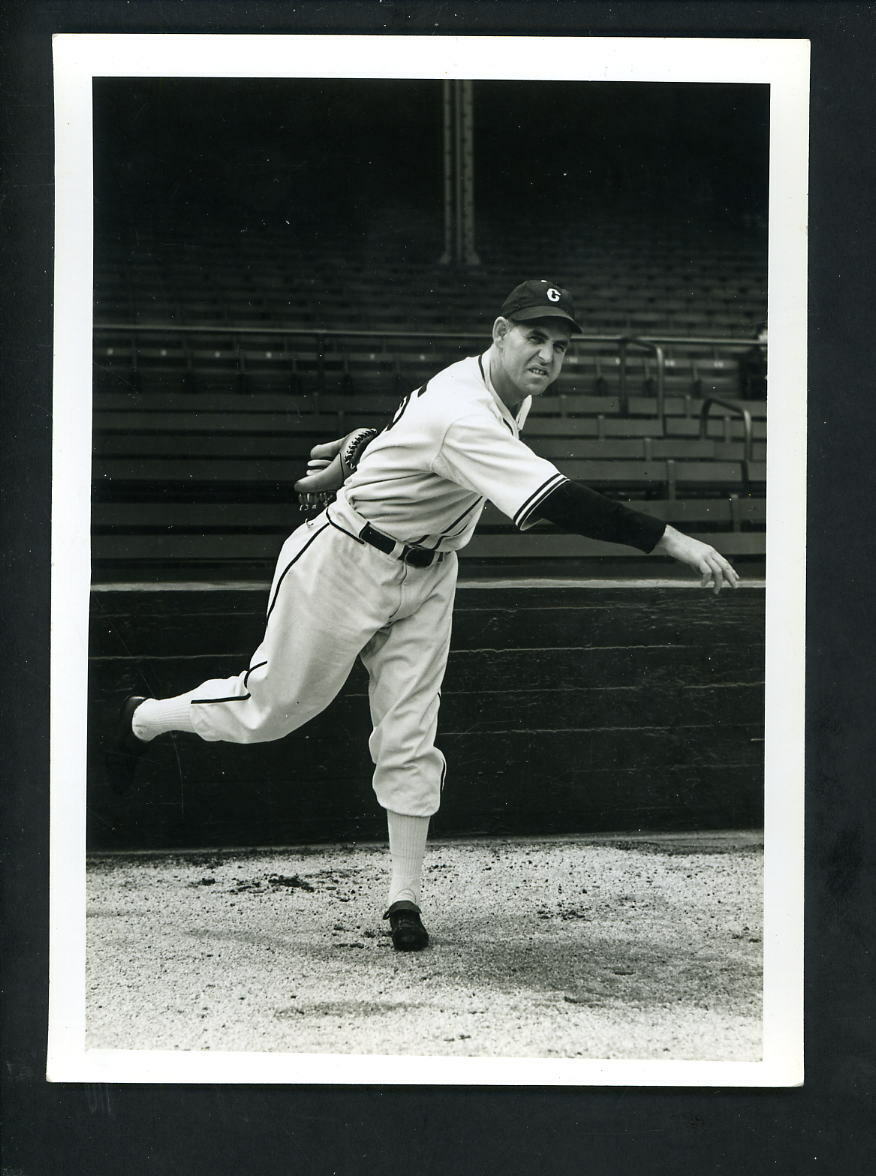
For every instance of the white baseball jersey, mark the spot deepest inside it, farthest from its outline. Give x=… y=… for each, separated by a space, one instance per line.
x=335 y=598
x=452 y=445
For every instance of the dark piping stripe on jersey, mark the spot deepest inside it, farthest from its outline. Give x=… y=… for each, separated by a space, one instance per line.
x=257 y=666
x=537 y=497
x=290 y=564
x=447 y=533
x=484 y=378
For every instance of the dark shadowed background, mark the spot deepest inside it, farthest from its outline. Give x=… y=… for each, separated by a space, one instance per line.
x=352 y=171
x=241 y=154
x=152 y=1129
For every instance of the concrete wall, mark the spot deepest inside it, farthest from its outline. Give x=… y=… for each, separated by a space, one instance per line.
x=564 y=709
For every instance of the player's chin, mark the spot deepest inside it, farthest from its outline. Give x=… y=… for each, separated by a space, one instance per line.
x=535 y=384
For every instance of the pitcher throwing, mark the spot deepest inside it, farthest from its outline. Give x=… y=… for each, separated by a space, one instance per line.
x=373 y=575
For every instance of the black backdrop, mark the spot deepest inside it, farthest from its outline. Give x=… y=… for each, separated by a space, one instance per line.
x=825 y=1127
x=237 y=155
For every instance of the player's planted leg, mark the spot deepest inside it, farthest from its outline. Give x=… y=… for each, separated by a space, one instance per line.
x=408 y=932
x=405 y=663
x=407 y=848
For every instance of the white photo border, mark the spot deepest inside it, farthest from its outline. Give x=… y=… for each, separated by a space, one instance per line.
x=781 y=64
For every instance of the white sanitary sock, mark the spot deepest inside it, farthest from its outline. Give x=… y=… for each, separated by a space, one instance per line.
x=407 y=847
x=156 y=716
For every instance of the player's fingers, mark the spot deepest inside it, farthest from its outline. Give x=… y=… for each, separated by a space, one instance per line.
x=317 y=463
x=731 y=576
x=326 y=449
x=711 y=574
x=729 y=573
x=723 y=575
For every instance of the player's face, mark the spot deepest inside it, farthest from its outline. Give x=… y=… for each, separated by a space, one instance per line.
x=530 y=356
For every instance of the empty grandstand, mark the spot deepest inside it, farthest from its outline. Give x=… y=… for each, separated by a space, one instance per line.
x=260 y=287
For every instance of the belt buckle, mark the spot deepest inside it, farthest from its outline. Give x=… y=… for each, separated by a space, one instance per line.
x=416 y=557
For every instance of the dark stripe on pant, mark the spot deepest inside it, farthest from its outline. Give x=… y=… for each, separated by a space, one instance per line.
x=250 y=670
x=291 y=564
x=233 y=698
x=343 y=530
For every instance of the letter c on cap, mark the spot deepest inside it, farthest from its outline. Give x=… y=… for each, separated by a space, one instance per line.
x=554 y=295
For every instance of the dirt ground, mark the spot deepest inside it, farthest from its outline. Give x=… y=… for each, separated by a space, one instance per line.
x=579 y=947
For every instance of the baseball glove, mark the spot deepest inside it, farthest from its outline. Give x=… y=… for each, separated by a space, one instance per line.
x=329 y=467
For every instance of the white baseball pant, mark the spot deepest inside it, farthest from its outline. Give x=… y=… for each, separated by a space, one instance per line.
x=335 y=598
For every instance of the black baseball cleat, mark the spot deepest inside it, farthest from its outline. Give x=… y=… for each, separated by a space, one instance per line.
x=124 y=754
x=408 y=932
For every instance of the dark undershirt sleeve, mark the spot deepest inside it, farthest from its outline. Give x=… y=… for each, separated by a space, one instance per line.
x=577 y=508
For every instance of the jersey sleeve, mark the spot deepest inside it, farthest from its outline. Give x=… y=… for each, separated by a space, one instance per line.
x=481 y=454
x=584 y=511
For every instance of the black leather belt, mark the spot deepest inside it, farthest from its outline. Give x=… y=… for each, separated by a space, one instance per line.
x=417 y=557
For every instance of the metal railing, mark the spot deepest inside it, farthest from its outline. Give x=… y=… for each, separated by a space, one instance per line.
x=624 y=344
x=748 y=442
x=722 y=343
x=655 y=345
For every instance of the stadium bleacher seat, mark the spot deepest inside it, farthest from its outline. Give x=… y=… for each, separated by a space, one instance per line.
x=199 y=433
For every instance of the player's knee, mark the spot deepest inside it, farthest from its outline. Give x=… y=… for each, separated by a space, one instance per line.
x=260 y=734
x=266 y=724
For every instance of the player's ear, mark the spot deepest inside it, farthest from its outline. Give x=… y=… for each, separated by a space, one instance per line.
x=501 y=328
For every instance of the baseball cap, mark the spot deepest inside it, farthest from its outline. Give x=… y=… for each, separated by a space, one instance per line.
x=537 y=299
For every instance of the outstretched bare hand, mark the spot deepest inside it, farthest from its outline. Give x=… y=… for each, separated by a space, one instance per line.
x=715 y=571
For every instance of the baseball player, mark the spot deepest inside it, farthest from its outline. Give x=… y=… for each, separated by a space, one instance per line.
x=373 y=574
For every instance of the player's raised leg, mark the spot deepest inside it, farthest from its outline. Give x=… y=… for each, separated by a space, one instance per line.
x=320 y=614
